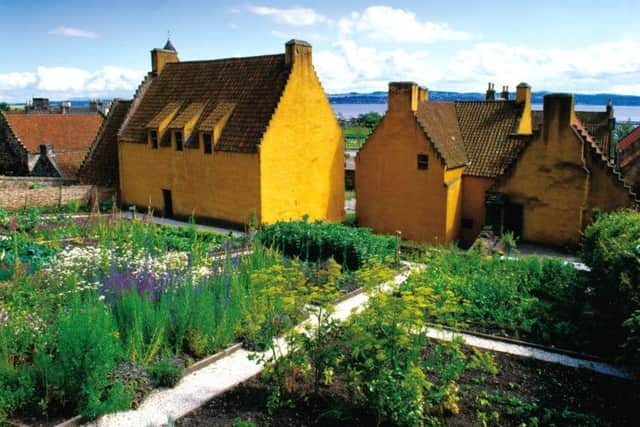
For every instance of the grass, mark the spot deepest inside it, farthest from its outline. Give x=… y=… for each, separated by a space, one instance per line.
x=349 y=195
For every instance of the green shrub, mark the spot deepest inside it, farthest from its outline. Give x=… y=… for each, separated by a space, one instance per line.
x=611 y=248
x=316 y=241
x=166 y=373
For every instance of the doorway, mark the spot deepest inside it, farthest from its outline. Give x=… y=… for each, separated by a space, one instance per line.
x=513 y=219
x=167 y=210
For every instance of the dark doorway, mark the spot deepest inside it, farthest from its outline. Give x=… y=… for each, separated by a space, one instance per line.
x=513 y=219
x=167 y=212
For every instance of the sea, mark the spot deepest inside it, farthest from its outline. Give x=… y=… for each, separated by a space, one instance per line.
x=623 y=113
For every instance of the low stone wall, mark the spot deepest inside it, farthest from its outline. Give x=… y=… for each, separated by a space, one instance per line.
x=19 y=193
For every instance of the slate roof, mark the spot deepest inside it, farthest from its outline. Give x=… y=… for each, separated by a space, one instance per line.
x=100 y=166
x=253 y=84
x=70 y=135
x=440 y=124
x=488 y=129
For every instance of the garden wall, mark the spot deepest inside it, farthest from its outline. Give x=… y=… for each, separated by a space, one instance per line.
x=27 y=192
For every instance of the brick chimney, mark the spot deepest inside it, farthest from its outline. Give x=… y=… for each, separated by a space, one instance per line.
x=161 y=57
x=403 y=97
x=298 y=52
x=523 y=95
x=558 y=115
x=491 y=93
x=505 y=93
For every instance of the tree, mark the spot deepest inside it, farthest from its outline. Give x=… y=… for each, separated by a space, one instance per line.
x=4 y=106
x=622 y=129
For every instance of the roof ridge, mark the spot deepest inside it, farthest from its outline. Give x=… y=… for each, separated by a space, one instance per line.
x=233 y=58
x=578 y=127
x=13 y=132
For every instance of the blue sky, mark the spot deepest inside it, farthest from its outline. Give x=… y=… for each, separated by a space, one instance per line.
x=69 y=49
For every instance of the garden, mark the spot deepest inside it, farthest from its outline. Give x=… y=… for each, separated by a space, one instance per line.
x=97 y=311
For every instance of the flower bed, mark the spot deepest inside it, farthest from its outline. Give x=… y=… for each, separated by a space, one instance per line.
x=125 y=306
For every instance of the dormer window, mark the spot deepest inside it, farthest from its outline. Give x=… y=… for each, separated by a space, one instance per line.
x=179 y=141
x=153 y=137
x=207 y=141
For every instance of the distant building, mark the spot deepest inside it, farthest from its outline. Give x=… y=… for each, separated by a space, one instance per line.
x=441 y=171
x=39 y=142
x=629 y=158
x=222 y=138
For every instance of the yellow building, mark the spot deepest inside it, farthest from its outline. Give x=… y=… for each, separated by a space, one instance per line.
x=440 y=171
x=222 y=138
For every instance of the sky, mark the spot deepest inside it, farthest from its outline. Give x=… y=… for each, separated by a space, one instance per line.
x=80 y=49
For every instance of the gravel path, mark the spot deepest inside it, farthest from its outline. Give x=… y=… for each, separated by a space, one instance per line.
x=196 y=389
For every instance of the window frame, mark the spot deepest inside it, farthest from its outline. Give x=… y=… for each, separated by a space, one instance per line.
x=207 y=148
x=179 y=146
x=422 y=161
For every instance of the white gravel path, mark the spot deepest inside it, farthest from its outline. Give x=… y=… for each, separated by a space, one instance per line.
x=196 y=389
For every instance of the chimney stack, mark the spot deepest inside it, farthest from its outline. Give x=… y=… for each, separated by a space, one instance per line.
x=161 y=57
x=423 y=94
x=491 y=93
x=558 y=115
x=65 y=106
x=505 y=93
x=403 y=97
x=523 y=96
x=297 y=52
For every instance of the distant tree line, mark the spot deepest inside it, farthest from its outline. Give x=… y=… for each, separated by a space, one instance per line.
x=368 y=120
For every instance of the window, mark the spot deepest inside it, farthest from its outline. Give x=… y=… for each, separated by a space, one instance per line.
x=467 y=223
x=423 y=161
x=154 y=139
x=206 y=140
x=179 y=145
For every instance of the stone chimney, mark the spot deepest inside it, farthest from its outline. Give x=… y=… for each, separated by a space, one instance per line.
x=491 y=93
x=505 y=93
x=65 y=106
x=523 y=96
x=558 y=116
x=403 y=97
x=161 y=57
x=423 y=94
x=298 y=52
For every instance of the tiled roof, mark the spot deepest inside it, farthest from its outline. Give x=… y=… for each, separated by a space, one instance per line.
x=186 y=115
x=253 y=84
x=595 y=122
x=632 y=137
x=440 y=124
x=100 y=165
x=70 y=135
x=487 y=128
x=218 y=113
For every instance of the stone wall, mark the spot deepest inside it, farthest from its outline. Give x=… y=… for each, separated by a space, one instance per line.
x=18 y=192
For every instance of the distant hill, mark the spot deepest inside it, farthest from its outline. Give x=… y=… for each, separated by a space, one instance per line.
x=536 y=98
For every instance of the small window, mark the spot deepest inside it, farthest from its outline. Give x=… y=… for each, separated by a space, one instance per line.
x=206 y=141
x=179 y=144
x=154 y=139
x=423 y=161
x=467 y=223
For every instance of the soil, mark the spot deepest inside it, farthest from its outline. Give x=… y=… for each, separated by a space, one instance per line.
x=523 y=391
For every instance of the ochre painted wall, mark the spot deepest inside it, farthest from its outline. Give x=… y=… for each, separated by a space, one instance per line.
x=453 y=184
x=557 y=181
x=222 y=186
x=302 y=152
x=392 y=194
x=474 y=189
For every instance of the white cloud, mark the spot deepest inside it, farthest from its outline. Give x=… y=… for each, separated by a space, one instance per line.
x=297 y=16
x=385 y=23
x=604 y=67
x=12 y=81
x=73 y=32
x=69 y=82
x=350 y=67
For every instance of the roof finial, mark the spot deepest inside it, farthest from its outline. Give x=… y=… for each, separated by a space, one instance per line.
x=169 y=45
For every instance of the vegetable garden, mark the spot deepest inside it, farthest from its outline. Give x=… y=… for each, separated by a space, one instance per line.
x=95 y=312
